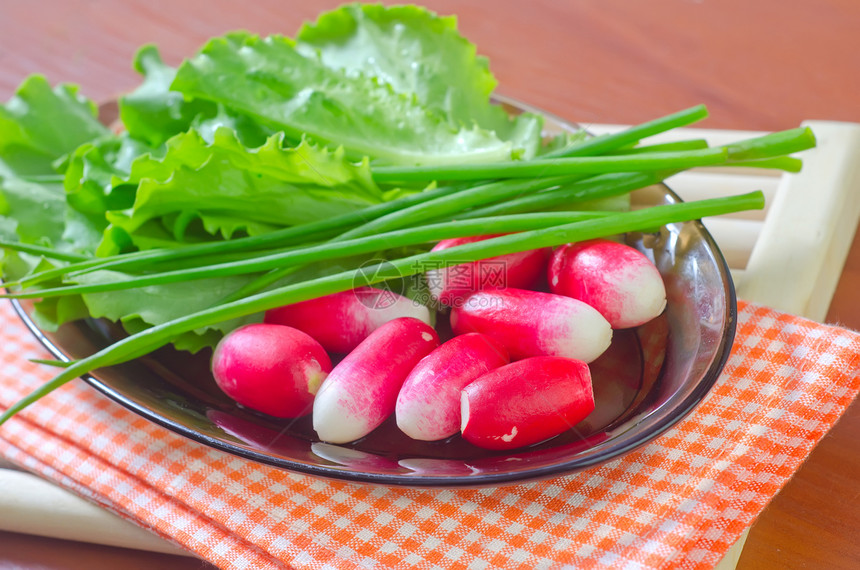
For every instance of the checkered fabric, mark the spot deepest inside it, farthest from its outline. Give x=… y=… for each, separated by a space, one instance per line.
x=678 y=502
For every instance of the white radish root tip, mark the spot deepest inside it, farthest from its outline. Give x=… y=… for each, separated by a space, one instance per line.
x=464 y=410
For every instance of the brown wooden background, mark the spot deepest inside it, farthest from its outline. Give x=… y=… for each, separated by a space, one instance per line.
x=757 y=64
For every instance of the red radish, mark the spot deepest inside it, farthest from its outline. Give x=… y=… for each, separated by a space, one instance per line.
x=451 y=285
x=614 y=278
x=342 y=320
x=361 y=391
x=526 y=402
x=533 y=323
x=428 y=405
x=273 y=369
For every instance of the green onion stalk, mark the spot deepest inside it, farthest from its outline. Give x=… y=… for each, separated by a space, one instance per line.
x=148 y=340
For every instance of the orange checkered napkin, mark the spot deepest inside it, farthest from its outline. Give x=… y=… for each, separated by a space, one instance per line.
x=680 y=501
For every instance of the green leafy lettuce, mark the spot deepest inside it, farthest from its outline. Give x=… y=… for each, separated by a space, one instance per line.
x=39 y=127
x=420 y=54
x=41 y=124
x=152 y=112
x=272 y=81
x=249 y=135
x=200 y=190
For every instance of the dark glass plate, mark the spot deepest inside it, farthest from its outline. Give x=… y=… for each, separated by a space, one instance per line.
x=649 y=379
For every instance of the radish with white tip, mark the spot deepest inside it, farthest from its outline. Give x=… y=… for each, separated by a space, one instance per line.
x=361 y=391
x=340 y=321
x=428 y=405
x=534 y=323
x=526 y=402
x=451 y=285
x=273 y=369
x=614 y=278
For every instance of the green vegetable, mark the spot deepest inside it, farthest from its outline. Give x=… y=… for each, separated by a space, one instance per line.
x=752 y=151
x=40 y=125
x=431 y=62
x=632 y=135
x=226 y=188
x=293 y=235
x=155 y=337
x=314 y=253
x=603 y=185
x=270 y=80
x=152 y=112
x=594 y=188
x=266 y=170
x=555 y=166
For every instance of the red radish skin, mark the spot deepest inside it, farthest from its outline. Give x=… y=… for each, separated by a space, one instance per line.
x=526 y=402
x=273 y=369
x=342 y=320
x=534 y=323
x=614 y=278
x=451 y=285
x=428 y=405
x=361 y=391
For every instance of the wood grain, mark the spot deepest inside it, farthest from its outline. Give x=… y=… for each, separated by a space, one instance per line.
x=757 y=64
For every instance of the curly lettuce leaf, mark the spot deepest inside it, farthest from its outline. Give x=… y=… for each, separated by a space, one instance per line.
x=420 y=54
x=36 y=209
x=41 y=124
x=205 y=155
x=248 y=130
x=91 y=173
x=223 y=187
x=37 y=213
x=268 y=79
x=138 y=309
x=39 y=127
x=153 y=113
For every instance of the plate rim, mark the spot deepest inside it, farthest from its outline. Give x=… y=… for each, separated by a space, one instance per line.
x=484 y=479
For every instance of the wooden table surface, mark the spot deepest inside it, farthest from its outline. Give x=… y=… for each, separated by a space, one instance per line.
x=757 y=64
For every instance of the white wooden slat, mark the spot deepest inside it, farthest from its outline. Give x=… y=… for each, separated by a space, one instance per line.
x=798 y=258
x=39 y=508
x=698 y=185
x=735 y=237
x=714 y=137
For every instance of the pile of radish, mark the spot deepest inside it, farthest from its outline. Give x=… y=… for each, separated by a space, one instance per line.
x=514 y=372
